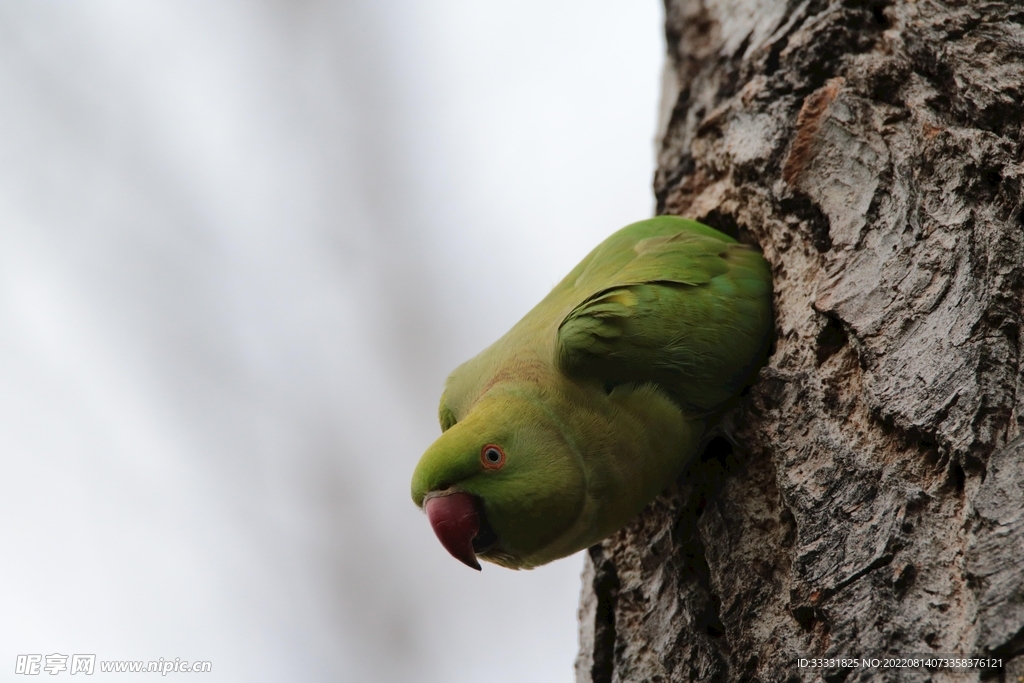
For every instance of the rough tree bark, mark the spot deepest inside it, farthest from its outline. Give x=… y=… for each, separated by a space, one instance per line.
x=873 y=501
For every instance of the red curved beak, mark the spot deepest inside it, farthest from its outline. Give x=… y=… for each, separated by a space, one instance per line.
x=456 y=522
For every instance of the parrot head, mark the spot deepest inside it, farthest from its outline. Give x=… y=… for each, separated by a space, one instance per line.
x=503 y=483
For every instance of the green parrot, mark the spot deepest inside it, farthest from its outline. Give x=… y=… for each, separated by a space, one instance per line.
x=563 y=430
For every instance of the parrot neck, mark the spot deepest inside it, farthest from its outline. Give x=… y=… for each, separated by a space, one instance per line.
x=634 y=441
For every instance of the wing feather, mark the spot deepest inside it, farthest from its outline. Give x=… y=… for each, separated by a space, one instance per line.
x=688 y=311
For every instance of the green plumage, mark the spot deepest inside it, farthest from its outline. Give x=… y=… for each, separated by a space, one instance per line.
x=602 y=393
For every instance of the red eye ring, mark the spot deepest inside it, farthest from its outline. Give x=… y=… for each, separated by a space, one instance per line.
x=492 y=457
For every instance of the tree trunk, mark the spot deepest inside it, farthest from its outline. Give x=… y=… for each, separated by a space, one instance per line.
x=872 y=502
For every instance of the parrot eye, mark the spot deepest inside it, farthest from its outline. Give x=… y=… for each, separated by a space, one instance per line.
x=492 y=456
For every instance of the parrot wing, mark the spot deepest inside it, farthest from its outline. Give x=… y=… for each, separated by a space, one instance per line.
x=689 y=312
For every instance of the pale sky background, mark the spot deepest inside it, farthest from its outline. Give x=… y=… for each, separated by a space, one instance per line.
x=241 y=246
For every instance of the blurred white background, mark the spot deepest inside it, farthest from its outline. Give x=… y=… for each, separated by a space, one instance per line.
x=241 y=246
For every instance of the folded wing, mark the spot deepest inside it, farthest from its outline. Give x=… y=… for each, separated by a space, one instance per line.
x=690 y=312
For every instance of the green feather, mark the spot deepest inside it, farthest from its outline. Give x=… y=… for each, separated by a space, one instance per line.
x=602 y=393
x=678 y=314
